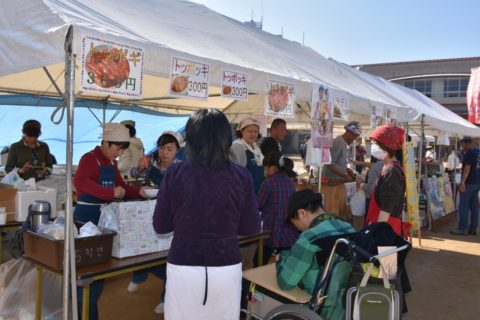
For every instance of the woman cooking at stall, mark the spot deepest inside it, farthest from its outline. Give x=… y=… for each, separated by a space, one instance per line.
x=245 y=151
x=168 y=145
x=97 y=181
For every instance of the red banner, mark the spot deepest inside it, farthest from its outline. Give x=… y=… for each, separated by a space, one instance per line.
x=473 y=96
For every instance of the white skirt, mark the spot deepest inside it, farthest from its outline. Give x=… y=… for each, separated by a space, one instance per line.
x=185 y=292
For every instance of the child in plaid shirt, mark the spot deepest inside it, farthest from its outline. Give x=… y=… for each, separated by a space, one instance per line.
x=272 y=202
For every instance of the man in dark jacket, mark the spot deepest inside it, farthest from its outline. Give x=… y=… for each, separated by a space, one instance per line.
x=278 y=130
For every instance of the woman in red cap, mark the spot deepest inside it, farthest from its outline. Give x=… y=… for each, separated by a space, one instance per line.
x=386 y=204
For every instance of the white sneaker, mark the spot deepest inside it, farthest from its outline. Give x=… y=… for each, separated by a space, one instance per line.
x=132 y=287
x=159 y=308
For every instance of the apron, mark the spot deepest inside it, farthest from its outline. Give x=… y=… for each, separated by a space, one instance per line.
x=374 y=210
x=88 y=206
x=255 y=170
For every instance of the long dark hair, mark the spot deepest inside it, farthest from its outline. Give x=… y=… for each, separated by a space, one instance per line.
x=208 y=138
x=280 y=161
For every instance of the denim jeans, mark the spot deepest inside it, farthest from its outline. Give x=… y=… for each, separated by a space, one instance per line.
x=469 y=203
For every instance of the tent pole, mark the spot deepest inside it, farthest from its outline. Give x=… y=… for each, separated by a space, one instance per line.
x=69 y=245
x=420 y=148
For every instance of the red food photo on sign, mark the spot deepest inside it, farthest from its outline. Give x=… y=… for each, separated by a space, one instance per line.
x=107 y=66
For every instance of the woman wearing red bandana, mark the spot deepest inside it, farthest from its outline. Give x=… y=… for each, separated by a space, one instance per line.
x=386 y=204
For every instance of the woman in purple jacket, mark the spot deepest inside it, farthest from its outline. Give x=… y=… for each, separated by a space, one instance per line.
x=207 y=201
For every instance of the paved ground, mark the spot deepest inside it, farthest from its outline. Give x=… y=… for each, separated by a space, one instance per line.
x=444 y=272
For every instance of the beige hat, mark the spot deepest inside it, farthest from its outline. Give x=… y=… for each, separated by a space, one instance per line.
x=176 y=135
x=246 y=122
x=129 y=122
x=115 y=132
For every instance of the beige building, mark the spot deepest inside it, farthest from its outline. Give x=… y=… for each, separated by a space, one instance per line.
x=445 y=81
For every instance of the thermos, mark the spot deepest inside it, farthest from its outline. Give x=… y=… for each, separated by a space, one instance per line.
x=39 y=212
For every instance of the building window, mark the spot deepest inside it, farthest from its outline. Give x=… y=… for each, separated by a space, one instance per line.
x=455 y=87
x=424 y=86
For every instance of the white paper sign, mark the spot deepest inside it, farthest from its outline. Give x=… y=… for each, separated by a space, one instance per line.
x=377 y=115
x=234 y=85
x=341 y=106
x=391 y=115
x=280 y=99
x=111 y=68
x=189 y=79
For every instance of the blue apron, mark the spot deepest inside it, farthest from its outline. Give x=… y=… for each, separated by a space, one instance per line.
x=91 y=211
x=155 y=175
x=255 y=170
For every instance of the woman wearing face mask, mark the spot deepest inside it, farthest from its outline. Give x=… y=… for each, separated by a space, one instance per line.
x=386 y=202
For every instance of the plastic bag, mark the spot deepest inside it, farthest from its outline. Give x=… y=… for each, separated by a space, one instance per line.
x=17 y=292
x=55 y=230
x=357 y=204
x=89 y=229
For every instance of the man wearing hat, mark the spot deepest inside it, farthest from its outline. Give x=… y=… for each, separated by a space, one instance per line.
x=468 y=188
x=299 y=265
x=132 y=155
x=337 y=172
x=97 y=181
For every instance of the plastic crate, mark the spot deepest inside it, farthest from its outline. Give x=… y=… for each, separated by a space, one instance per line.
x=88 y=250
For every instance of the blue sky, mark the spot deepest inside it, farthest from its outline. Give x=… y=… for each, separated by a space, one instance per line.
x=369 y=31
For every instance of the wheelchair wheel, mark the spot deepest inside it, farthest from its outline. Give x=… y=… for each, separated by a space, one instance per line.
x=292 y=312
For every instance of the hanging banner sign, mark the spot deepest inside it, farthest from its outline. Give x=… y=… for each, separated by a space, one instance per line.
x=111 y=68
x=377 y=115
x=341 y=106
x=189 y=79
x=473 y=96
x=411 y=183
x=234 y=85
x=280 y=99
x=391 y=115
x=322 y=117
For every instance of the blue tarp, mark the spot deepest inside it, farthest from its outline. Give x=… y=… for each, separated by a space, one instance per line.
x=87 y=131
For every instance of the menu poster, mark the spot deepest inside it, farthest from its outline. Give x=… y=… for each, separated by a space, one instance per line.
x=341 y=106
x=322 y=117
x=434 y=201
x=377 y=115
x=280 y=99
x=189 y=79
x=391 y=115
x=111 y=68
x=234 y=85
x=411 y=183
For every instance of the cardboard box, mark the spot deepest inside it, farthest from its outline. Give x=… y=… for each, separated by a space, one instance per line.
x=88 y=250
x=7 y=200
x=24 y=199
x=133 y=223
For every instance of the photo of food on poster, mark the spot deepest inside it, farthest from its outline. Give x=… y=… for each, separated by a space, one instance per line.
x=189 y=79
x=234 y=85
x=111 y=68
x=391 y=115
x=322 y=117
x=377 y=116
x=341 y=106
x=280 y=99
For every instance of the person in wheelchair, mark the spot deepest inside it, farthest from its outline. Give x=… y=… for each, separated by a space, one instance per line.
x=299 y=266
